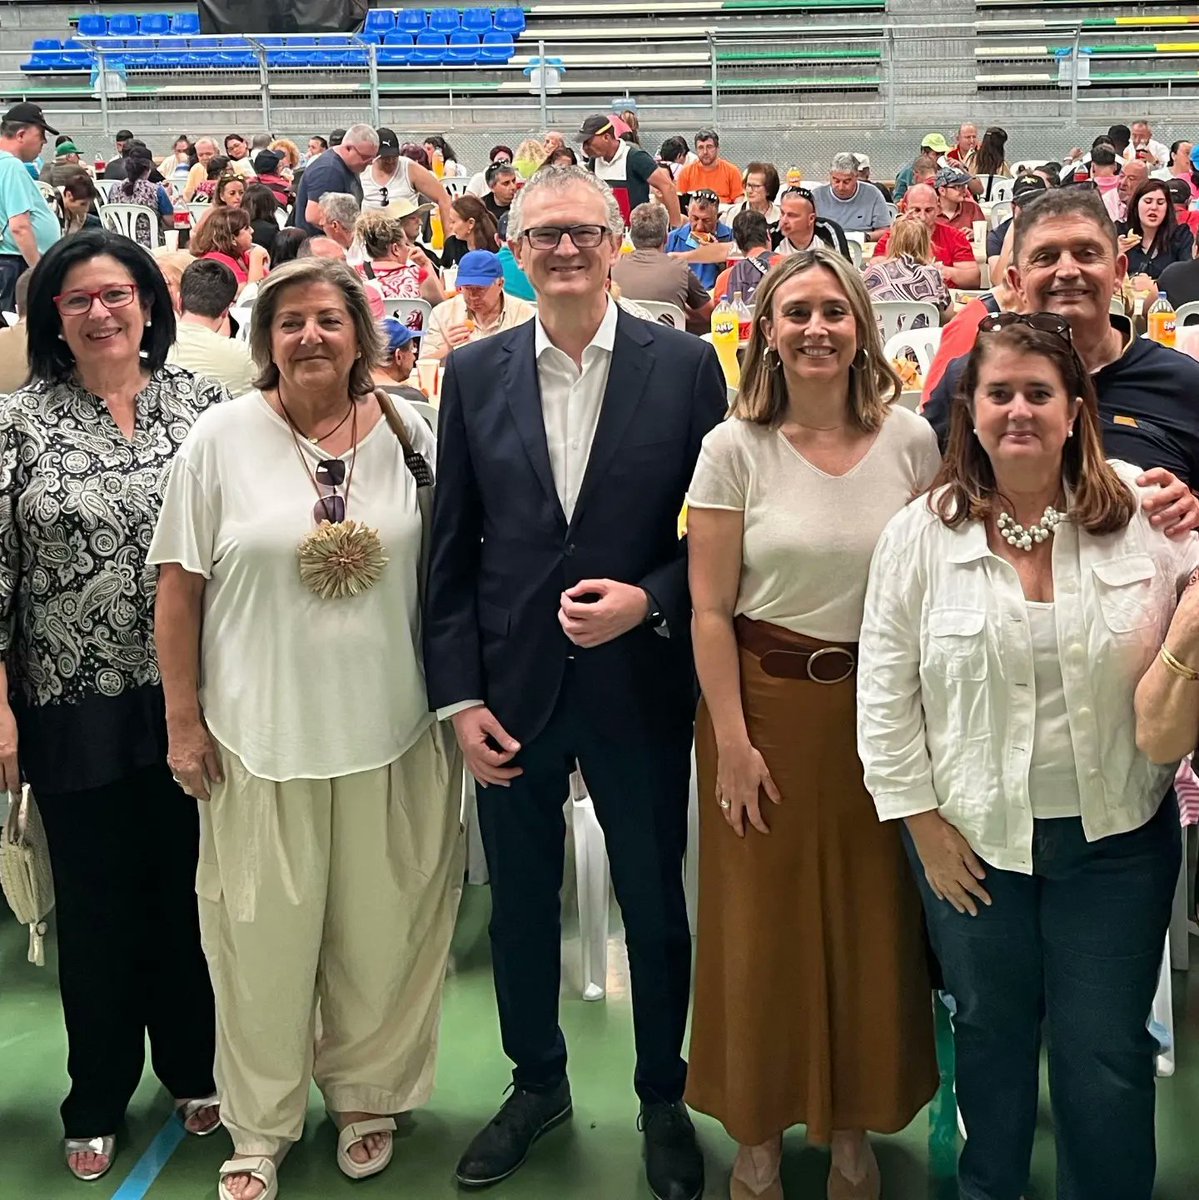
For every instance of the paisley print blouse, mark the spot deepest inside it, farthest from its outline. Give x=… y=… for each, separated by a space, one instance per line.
x=78 y=505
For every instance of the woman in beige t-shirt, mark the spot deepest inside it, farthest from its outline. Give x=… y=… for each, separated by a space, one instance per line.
x=812 y=997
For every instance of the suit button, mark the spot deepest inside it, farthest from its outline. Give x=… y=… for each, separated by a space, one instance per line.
x=570 y=549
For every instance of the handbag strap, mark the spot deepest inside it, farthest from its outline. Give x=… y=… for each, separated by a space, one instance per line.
x=422 y=473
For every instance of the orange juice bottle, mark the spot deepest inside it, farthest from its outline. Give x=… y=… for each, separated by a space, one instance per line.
x=1162 y=323
x=439 y=164
x=436 y=231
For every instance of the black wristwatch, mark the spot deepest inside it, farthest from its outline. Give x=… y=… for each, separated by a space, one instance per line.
x=655 y=618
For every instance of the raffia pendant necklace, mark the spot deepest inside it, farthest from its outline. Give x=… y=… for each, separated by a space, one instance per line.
x=340 y=557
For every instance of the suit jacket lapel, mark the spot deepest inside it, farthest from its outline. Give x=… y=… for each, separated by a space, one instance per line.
x=523 y=393
x=628 y=375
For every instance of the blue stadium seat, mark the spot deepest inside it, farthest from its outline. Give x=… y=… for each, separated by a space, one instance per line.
x=75 y=57
x=92 y=25
x=497 y=47
x=411 y=20
x=379 y=20
x=171 y=54
x=443 y=20
x=275 y=46
x=186 y=24
x=236 y=52
x=510 y=20
x=298 y=51
x=464 y=47
x=123 y=25
x=204 y=56
x=430 y=47
x=476 y=20
x=155 y=24
x=397 y=49
x=45 y=55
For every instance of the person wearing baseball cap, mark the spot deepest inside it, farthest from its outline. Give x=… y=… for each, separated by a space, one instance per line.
x=626 y=168
x=394 y=180
x=932 y=145
x=29 y=226
x=399 y=359
x=66 y=163
x=266 y=167
x=958 y=208
x=1024 y=188
x=479 y=309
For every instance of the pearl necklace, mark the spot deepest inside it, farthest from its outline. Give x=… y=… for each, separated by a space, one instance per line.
x=1024 y=539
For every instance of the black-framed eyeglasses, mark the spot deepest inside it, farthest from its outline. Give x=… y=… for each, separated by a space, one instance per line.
x=330 y=473
x=802 y=192
x=78 y=303
x=1042 y=322
x=548 y=237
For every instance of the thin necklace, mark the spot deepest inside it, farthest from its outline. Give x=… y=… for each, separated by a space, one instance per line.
x=295 y=437
x=315 y=441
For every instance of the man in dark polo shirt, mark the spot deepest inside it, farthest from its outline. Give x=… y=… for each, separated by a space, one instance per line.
x=336 y=170
x=1065 y=260
x=627 y=169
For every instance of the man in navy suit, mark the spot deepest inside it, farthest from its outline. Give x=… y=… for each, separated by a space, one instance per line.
x=558 y=631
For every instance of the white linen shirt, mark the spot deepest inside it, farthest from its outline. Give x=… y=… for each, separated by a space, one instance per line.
x=946 y=697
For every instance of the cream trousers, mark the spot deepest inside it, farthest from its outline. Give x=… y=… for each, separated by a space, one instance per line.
x=326 y=911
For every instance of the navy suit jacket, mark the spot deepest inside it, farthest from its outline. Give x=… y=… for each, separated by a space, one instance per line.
x=503 y=550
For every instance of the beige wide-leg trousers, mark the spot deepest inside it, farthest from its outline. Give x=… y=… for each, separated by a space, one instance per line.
x=326 y=911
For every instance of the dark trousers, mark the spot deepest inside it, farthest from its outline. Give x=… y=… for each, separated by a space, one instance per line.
x=129 y=958
x=1077 y=947
x=12 y=266
x=640 y=796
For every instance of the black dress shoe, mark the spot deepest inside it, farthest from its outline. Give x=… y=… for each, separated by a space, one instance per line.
x=674 y=1165
x=504 y=1143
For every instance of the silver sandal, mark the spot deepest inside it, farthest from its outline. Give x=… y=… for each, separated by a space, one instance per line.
x=189 y=1108
x=98 y=1145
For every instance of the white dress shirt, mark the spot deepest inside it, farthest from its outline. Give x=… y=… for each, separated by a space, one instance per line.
x=946 y=683
x=571 y=400
x=570 y=404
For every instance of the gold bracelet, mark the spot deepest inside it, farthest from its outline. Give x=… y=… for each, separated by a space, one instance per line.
x=1178 y=668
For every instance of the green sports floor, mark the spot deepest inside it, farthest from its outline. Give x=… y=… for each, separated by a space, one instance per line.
x=598 y=1155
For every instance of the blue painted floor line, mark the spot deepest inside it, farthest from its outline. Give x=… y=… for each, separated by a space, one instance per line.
x=139 y=1181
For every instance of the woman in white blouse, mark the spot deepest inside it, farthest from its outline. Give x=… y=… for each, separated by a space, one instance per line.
x=812 y=999
x=1008 y=621
x=288 y=627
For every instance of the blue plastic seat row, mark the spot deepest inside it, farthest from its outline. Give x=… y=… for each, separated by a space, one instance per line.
x=126 y=25
x=447 y=21
x=177 y=53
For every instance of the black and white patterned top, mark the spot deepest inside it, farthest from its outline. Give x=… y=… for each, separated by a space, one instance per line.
x=78 y=505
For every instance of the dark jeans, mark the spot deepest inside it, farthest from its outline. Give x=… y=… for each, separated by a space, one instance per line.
x=1076 y=946
x=12 y=266
x=129 y=958
x=640 y=797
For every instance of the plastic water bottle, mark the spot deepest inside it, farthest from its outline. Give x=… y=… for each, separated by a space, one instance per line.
x=724 y=340
x=745 y=318
x=1162 y=325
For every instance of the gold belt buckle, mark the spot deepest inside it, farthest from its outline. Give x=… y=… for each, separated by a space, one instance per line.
x=816 y=654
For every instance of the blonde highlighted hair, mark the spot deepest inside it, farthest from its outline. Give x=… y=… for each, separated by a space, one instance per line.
x=873 y=383
x=910 y=236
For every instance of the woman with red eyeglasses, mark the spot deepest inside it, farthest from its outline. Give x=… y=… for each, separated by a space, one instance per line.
x=85 y=447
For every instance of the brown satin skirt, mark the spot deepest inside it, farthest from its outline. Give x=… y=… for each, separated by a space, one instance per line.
x=812 y=996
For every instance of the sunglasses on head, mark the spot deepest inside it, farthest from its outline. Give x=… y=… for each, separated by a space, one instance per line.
x=802 y=192
x=330 y=473
x=1042 y=322
x=706 y=195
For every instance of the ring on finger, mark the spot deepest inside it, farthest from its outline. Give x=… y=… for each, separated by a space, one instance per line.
x=725 y=804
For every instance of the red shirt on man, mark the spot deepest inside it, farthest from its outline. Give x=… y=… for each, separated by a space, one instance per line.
x=949 y=246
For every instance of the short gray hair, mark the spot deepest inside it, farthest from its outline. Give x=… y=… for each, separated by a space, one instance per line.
x=304 y=272
x=361 y=132
x=208 y=141
x=261 y=141
x=560 y=179
x=844 y=162
x=340 y=207
x=648 y=226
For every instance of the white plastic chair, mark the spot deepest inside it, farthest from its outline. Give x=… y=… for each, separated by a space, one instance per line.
x=1028 y=164
x=998 y=214
x=1183 y=311
x=104 y=186
x=402 y=309
x=455 y=187
x=892 y=212
x=128 y=219
x=856 y=253
x=896 y=315
x=666 y=314
x=923 y=343
x=427 y=411
x=997 y=187
x=242 y=317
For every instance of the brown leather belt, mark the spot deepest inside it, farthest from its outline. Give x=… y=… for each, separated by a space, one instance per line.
x=833 y=663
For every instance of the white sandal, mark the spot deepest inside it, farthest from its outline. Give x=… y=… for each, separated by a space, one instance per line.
x=351 y=1135
x=189 y=1108
x=98 y=1145
x=262 y=1169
